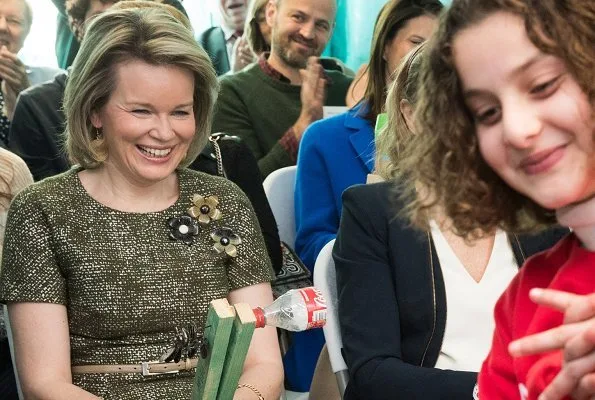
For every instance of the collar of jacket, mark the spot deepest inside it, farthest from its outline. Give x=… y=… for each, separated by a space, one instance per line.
x=362 y=135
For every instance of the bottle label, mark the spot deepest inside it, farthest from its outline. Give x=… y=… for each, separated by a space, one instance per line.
x=316 y=307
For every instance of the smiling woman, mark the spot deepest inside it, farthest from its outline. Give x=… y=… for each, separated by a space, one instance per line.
x=126 y=257
x=507 y=142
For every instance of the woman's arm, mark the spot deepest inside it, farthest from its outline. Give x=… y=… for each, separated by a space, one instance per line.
x=369 y=313
x=263 y=368
x=316 y=216
x=42 y=351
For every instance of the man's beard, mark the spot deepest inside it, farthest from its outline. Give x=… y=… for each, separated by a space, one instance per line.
x=294 y=58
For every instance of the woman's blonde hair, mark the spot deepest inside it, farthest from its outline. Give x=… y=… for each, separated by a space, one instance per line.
x=396 y=133
x=151 y=35
x=445 y=156
x=252 y=31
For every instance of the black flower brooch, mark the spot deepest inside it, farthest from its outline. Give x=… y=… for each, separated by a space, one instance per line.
x=202 y=212
x=183 y=228
x=226 y=241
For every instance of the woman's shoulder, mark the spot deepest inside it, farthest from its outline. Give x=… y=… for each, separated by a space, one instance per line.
x=193 y=181
x=376 y=194
x=14 y=172
x=50 y=191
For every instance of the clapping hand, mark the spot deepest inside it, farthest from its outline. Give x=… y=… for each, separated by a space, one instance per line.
x=312 y=95
x=575 y=337
x=14 y=79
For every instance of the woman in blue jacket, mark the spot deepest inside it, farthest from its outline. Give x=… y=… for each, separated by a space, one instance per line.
x=338 y=152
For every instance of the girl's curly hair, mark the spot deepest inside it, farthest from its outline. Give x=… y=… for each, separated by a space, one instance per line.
x=444 y=156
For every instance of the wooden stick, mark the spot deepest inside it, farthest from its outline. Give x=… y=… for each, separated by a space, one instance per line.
x=220 y=319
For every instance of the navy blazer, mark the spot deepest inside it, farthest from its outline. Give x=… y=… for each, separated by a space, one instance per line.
x=213 y=42
x=334 y=154
x=392 y=301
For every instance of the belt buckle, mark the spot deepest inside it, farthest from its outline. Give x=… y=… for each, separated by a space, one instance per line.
x=146 y=369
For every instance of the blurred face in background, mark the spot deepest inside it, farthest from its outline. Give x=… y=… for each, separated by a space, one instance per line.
x=263 y=26
x=300 y=29
x=14 y=25
x=416 y=31
x=233 y=13
x=96 y=7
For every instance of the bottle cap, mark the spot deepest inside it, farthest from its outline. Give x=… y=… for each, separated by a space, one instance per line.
x=259 y=314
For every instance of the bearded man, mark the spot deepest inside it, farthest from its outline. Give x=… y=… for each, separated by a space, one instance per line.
x=270 y=104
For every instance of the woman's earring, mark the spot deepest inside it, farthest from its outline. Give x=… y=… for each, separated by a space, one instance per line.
x=98 y=134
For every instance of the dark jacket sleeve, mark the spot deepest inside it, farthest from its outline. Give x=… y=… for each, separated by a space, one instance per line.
x=242 y=169
x=36 y=134
x=369 y=313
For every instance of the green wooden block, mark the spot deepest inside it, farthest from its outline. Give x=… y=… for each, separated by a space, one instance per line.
x=217 y=330
x=239 y=342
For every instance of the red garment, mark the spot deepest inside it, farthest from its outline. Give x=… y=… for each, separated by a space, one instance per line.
x=568 y=267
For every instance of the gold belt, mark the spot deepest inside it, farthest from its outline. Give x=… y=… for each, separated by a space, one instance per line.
x=145 y=368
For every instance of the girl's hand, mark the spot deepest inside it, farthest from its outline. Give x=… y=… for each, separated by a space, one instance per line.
x=576 y=338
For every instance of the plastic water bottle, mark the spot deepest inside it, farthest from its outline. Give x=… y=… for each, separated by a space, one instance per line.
x=296 y=310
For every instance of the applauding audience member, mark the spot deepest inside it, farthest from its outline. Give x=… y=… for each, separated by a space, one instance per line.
x=271 y=103
x=219 y=41
x=16 y=18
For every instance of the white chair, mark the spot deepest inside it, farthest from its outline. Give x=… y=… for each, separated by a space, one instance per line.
x=10 y=343
x=279 y=187
x=325 y=281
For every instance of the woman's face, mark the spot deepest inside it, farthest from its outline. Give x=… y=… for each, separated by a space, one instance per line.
x=148 y=121
x=412 y=34
x=263 y=26
x=533 y=122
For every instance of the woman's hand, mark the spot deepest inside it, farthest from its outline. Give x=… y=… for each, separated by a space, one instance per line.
x=576 y=338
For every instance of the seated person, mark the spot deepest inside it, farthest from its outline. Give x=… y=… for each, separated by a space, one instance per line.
x=16 y=76
x=404 y=294
x=507 y=141
x=72 y=15
x=111 y=259
x=256 y=41
x=36 y=134
x=14 y=177
x=218 y=41
x=338 y=152
x=271 y=103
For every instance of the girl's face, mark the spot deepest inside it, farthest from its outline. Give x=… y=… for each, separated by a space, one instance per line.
x=534 y=124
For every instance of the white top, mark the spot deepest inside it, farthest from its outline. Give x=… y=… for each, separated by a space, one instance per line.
x=470 y=304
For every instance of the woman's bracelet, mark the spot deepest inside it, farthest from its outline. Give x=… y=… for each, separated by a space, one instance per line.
x=256 y=392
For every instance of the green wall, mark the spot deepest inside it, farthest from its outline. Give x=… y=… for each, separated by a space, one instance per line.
x=353 y=32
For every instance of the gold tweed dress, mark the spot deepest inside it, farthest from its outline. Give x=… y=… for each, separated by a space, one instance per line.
x=125 y=282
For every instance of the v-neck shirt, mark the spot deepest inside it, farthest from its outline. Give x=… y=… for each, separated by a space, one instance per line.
x=470 y=304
